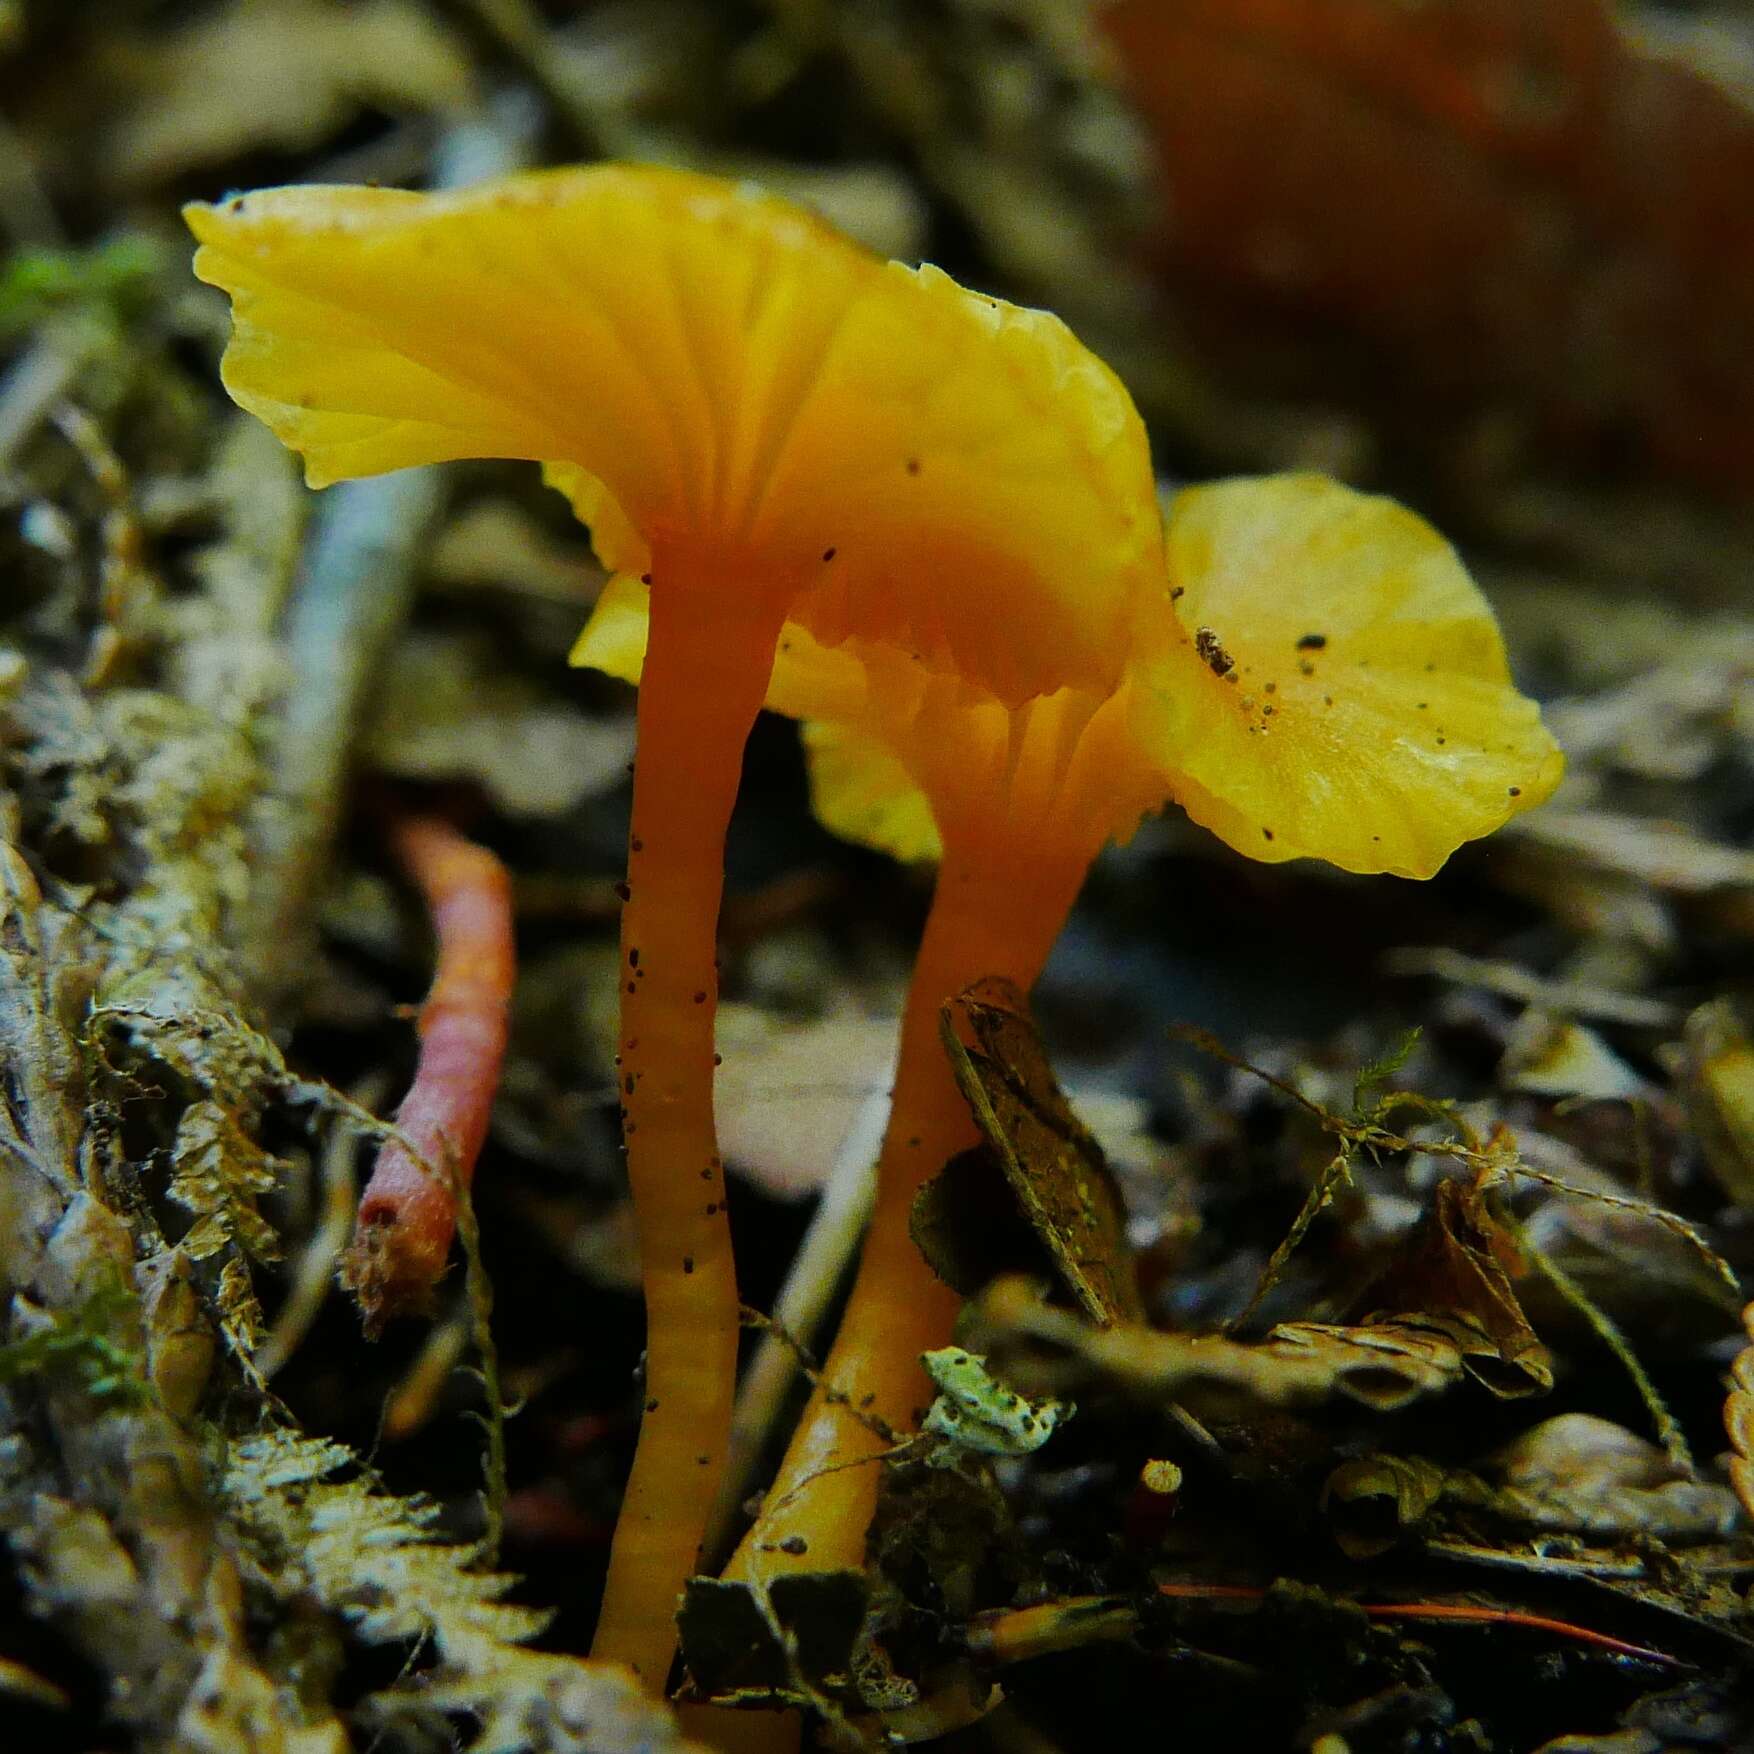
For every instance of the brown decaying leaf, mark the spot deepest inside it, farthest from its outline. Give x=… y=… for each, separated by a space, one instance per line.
x=1454 y=1272
x=283 y=74
x=1739 y=1416
x=445 y=708
x=1054 y=1165
x=1717 y=1071
x=1573 y=1474
x=1582 y=1473
x=1556 y=215
x=1384 y=1365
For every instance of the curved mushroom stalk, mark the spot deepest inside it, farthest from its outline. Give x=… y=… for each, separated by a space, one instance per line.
x=768 y=422
x=818 y=1509
x=1026 y=798
x=704 y=685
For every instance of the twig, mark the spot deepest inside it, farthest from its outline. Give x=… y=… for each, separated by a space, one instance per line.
x=1569 y=998
x=355 y=593
x=1019 y=1634
x=815 y=1272
x=1498 y=1154
x=411 y=1402
x=315 y=1270
x=408 y=1214
x=1335 y=1175
x=515 y=35
x=478 y=1289
x=1668 y=1429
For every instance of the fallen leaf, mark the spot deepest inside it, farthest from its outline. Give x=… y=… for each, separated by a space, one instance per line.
x=1384 y=1365
x=1517 y=205
x=792 y=1092
x=1052 y=1161
x=1556 y=1056
x=449 y=709
x=1453 y=1274
x=1717 y=1071
x=1579 y=1472
x=278 y=74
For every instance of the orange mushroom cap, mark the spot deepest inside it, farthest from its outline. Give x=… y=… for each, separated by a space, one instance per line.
x=1323 y=680
x=731 y=393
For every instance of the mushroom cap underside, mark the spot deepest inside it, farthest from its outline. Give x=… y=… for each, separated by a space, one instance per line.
x=733 y=395
x=1323 y=680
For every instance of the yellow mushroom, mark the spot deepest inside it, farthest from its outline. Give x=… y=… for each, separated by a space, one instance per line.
x=766 y=424
x=1318 y=677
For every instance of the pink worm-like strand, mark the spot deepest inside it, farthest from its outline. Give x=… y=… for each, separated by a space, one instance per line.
x=408 y=1212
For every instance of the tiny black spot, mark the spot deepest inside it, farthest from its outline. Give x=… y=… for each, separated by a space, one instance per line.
x=1266 y=833
x=794 y=1544
x=718 y=1059
x=702 y=1461
x=700 y=998
x=633 y=986
x=829 y=553
x=633 y=957
x=1312 y=642
x=1327 y=700
x=712 y=1207
x=1423 y=705
x=645 y=578
x=623 y=893
x=636 y=845
x=913 y=465
x=688 y=1263
x=706 y=1175
x=1516 y=791
x=628 y=1083
x=1178 y=593
x=1267 y=711
x=1271 y=687
x=652 y=1406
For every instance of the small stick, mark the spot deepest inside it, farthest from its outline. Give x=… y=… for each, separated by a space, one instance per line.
x=810 y=1285
x=314 y=1271
x=1010 y=1635
x=408 y=1213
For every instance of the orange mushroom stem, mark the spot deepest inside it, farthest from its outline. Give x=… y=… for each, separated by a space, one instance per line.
x=997 y=908
x=759 y=420
x=704 y=683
